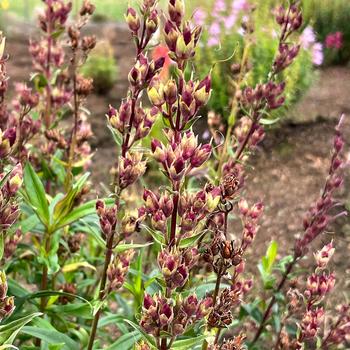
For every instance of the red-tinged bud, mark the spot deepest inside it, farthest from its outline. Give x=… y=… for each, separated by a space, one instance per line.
x=100 y=207
x=158 y=151
x=240 y=267
x=176 y=9
x=131 y=168
x=338 y=144
x=118 y=269
x=202 y=92
x=188 y=144
x=158 y=220
x=170 y=92
x=156 y=92
x=337 y=162
x=166 y=205
x=190 y=305
x=205 y=307
x=171 y=35
x=148 y=302
x=243 y=207
x=323 y=256
x=256 y=210
x=184 y=48
x=152 y=201
x=129 y=225
x=133 y=20
x=16 y=179
x=152 y=23
x=139 y=72
x=280 y=15
x=87 y=9
x=6 y=307
x=10 y=135
x=177 y=169
x=201 y=155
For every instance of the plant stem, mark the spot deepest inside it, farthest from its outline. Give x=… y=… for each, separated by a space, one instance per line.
x=73 y=138
x=47 y=115
x=273 y=300
x=102 y=291
x=172 y=238
x=44 y=280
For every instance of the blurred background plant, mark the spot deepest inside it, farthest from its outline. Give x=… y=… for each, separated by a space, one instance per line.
x=101 y=66
x=330 y=19
x=248 y=25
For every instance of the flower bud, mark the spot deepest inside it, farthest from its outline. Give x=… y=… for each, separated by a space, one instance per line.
x=133 y=20
x=171 y=35
x=202 y=92
x=16 y=179
x=184 y=46
x=176 y=9
x=158 y=151
x=323 y=256
x=156 y=92
x=152 y=23
x=201 y=155
x=170 y=92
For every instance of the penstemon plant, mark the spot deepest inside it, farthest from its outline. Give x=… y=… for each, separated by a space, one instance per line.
x=73 y=278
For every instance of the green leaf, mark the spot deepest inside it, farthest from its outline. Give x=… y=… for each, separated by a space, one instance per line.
x=116 y=136
x=271 y=255
x=82 y=310
x=126 y=341
x=188 y=343
x=94 y=232
x=266 y=121
x=188 y=242
x=65 y=205
x=147 y=337
x=35 y=194
x=76 y=214
x=29 y=223
x=51 y=336
x=124 y=247
x=158 y=237
x=9 y=331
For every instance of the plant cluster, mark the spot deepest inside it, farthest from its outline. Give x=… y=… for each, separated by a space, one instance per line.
x=330 y=21
x=72 y=276
x=240 y=41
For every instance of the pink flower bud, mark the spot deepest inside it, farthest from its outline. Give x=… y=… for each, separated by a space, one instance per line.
x=323 y=256
x=201 y=155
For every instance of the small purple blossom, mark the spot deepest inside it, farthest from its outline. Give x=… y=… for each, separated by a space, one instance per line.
x=199 y=16
x=307 y=38
x=219 y=7
x=317 y=54
x=239 y=5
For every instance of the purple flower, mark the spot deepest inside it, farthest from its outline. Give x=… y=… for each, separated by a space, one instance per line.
x=230 y=21
x=307 y=38
x=199 y=16
x=213 y=41
x=220 y=6
x=214 y=29
x=317 y=54
x=239 y=5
